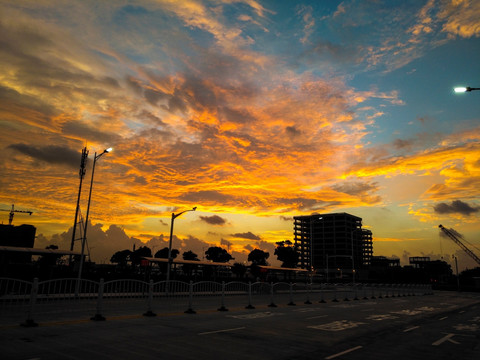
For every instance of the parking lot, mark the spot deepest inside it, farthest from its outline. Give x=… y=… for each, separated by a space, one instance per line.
x=443 y=325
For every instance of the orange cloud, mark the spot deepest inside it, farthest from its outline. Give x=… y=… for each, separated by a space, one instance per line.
x=462 y=18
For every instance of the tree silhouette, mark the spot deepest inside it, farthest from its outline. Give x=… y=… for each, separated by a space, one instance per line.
x=287 y=253
x=258 y=257
x=239 y=270
x=163 y=253
x=188 y=268
x=140 y=253
x=217 y=254
x=121 y=257
x=190 y=255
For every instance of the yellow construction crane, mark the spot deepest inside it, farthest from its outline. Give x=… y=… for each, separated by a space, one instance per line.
x=452 y=236
x=13 y=211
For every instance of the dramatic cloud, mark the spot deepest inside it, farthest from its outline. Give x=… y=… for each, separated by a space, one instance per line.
x=252 y=111
x=456 y=207
x=462 y=18
x=50 y=153
x=225 y=242
x=247 y=235
x=214 y=220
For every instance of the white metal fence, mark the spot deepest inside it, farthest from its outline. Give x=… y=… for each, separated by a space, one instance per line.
x=29 y=303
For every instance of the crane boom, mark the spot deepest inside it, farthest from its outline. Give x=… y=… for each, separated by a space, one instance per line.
x=13 y=211
x=459 y=243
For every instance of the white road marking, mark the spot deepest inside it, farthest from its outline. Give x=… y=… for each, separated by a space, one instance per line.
x=407 y=312
x=443 y=318
x=316 y=317
x=343 y=352
x=305 y=310
x=337 y=325
x=460 y=327
x=410 y=329
x=381 y=317
x=426 y=308
x=254 y=315
x=344 y=306
x=220 y=331
x=445 y=338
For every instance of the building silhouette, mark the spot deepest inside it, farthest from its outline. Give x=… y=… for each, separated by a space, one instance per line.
x=332 y=242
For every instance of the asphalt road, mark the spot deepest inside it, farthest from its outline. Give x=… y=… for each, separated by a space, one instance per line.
x=443 y=326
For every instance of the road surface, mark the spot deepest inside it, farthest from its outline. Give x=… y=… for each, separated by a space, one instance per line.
x=445 y=325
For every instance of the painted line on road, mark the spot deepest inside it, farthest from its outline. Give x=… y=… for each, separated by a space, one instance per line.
x=443 y=318
x=343 y=352
x=410 y=329
x=220 y=331
x=445 y=338
x=316 y=317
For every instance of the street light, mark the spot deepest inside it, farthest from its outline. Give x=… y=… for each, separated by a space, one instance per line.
x=95 y=158
x=462 y=89
x=312 y=263
x=353 y=256
x=174 y=216
x=456 y=267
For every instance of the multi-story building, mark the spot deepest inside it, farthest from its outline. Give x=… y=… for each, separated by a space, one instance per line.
x=332 y=241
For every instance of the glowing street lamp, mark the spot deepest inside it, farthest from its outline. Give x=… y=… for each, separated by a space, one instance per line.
x=170 y=260
x=95 y=158
x=462 y=89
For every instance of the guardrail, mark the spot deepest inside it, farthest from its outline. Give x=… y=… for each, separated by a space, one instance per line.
x=62 y=299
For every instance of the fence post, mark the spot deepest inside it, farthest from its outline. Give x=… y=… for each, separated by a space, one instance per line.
x=272 y=304
x=291 y=303
x=346 y=293
x=31 y=305
x=249 y=306
x=223 y=308
x=98 y=316
x=335 y=294
x=190 y=299
x=364 y=288
x=150 y=300
x=308 y=302
x=322 y=300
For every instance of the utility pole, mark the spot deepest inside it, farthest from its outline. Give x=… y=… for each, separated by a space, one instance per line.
x=83 y=163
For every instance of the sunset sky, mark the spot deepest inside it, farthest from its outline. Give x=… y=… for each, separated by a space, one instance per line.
x=254 y=111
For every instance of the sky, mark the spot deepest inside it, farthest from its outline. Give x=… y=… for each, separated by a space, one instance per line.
x=253 y=111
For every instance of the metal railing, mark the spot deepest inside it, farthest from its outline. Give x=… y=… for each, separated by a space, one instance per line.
x=64 y=299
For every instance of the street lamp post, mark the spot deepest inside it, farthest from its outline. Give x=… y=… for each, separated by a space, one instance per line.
x=312 y=252
x=353 y=257
x=326 y=269
x=456 y=267
x=174 y=216
x=84 y=238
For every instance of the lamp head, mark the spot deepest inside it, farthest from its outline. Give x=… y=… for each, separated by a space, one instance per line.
x=461 y=89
